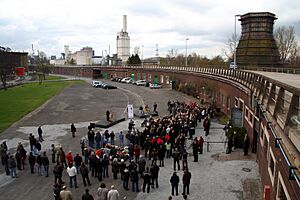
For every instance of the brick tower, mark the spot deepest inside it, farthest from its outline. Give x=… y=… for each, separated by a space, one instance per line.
x=257 y=46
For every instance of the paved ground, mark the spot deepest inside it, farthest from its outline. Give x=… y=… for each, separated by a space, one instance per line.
x=214 y=177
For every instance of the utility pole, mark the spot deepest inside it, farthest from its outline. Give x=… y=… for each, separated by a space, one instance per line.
x=234 y=55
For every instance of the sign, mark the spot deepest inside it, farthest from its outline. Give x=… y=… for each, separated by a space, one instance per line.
x=130 y=111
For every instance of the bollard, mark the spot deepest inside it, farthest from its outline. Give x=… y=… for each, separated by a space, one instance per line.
x=267 y=192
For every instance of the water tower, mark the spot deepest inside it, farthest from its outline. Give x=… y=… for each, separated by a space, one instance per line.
x=123 y=42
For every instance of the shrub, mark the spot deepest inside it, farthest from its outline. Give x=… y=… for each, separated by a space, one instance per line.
x=240 y=135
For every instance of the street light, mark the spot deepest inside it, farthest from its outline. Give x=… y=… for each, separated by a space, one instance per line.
x=234 y=55
x=186 y=39
x=142 y=55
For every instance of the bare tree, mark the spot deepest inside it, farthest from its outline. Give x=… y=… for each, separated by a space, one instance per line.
x=230 y=46
x=286 y=43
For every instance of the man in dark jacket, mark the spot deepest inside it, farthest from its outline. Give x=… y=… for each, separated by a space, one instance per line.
x=135 y=180
x=77 y=160
x=85 y=174
x=87 y=195
x=147 y=180
x=45 y=163
x=126 y=179
x=31 y=160
x=73 y=130
x=57 y=171
x=176 y=157
x=154 y=175
x=174 y=183
x=186 y=178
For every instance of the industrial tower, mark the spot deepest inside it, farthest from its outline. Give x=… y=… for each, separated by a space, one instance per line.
x=123 y=42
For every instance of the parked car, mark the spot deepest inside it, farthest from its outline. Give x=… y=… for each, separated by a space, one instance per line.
x=154 y=86
x=141 y=82
x=129 y=81
x=97 y=84
x=107 y=86
x=124 y=80
x=232 y=66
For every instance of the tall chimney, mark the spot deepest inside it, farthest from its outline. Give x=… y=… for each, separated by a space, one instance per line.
x=124 y=23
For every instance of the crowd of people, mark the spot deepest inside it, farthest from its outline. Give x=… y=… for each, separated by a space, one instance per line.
x=101 y=156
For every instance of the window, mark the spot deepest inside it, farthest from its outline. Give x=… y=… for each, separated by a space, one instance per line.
x=167 y=79
x=161 y=79
x=149 y=77
x=282 y=193
x=228 y=103
x=236 y=102
x=144 y=76
x=138 y=76
x=271 y=165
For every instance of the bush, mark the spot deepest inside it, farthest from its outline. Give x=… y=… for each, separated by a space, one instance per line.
x=240 y=135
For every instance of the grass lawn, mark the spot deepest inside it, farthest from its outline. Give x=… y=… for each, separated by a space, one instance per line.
x=18 y=101
x=49 y=77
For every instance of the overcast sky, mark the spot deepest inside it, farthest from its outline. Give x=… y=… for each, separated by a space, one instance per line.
x=51 y=24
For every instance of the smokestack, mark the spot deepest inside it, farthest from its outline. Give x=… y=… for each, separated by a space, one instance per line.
x=124 y=23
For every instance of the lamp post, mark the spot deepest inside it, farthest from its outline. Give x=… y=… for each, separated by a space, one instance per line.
x=234 y=55
x=142 y=55
x=186 y=39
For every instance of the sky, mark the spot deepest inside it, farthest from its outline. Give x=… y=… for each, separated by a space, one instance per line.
x=51 y=24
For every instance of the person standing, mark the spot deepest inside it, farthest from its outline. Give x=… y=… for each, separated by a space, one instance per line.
x=176 y=156
x=137 y=152
x=184 y=159
x=135 y=180
x=195 y=149
x=186 y=179
x=112 y=137
x=121 y=138
x=32 y=141
x=126 y=179
x=5 y=163
x=71 y=170
x=107 y=115
x=57 y=171
x=154 y=175
x=45 y=163
x=40 y=133
x=246 y=145
x=155 y=107
x=200 y=144
x=147 y=180
x=174 y=183
x=65 y=194
x=77 y=162
x=87 y=195
x=115 y=168
x=113 y=194
x=12 y=166
x=73 y=130
x=102 y=192
x=85 y=174
x=53 y=153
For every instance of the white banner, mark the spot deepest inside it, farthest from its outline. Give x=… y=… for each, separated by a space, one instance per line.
x=130 y=111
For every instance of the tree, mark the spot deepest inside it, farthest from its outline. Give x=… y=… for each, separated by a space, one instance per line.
x=231 y=45
x=134 y=60
x=286 y=43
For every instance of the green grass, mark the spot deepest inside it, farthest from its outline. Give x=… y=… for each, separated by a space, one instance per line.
x=18 y=101
x=49 y=77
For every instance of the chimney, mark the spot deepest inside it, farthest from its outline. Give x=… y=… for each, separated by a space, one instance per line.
x=124 y=23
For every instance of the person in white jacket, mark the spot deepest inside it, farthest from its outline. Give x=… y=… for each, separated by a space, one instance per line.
x=113 y=194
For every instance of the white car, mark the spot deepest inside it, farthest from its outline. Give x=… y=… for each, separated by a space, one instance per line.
x=97 y=84
x=232 y=66
x=154 y=86
x=141 y=82
x=124 y=80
